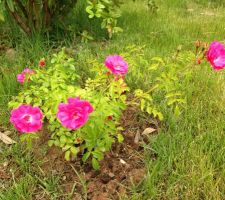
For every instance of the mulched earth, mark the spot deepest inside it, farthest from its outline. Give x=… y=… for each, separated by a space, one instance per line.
x=122 y=167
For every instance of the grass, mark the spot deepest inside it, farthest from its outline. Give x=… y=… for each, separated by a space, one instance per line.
x=190 y=156
x=190 y=153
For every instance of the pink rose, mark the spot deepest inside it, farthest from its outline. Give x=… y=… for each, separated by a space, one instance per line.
x=116 y=65
x=21 y=77
x=216 y=55
x=75 y=113
x=26 y=119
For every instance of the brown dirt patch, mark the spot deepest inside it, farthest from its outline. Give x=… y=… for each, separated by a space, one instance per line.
x=121 y=167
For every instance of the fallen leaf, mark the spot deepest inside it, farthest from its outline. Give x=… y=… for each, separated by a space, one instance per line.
x=111 y=174
x=148 y=131
x=6 y=139
x=137 y=137
x=122 y=161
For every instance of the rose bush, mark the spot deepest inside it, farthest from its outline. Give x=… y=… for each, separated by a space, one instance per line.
x=45 y=15
x=83 y=117
x=77 y=117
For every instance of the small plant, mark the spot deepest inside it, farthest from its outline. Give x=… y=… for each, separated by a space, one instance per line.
x=42 y=16
x=36 y=16
x=163 y=81
x=85 y=37
x=81 y=120
x=86 y=119
x=108 y=11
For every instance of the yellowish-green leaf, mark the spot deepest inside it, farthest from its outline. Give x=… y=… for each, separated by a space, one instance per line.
x=95 y=164
x=2 y=17
x=67 y=155
x=74 y=150
x=120 y=138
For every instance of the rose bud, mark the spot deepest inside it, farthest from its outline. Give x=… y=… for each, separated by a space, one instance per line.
x=198 y=61
x=108 y=74
x=42 y=63
x=110 y=118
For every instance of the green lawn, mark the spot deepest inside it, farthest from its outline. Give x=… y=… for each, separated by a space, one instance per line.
x=190 y=152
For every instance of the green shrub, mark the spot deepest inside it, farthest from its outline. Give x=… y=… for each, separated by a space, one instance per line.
x=38 y=16
x=53 y=84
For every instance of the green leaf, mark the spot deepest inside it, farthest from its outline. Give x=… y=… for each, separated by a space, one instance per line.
x=171 y=101
x=120 y=138
x=50 y=142
x=117 y=30
x=74 y=150
x=28 y=136
x=86 y=156
x=95 y=164
x=172 y=94
x=177 y=111
x=56 y=142
x=63 y=139
x=13 y=104
x=160 y=115
x=98 y=154
x=142 y=104
x=67 y=155
x=158 y=59
x=154 y=66
x=28 y=100
x=11 y=5
x=71 y=89
x=2 y=16
x=149 y=110
x=100 y=6
x=90 y=12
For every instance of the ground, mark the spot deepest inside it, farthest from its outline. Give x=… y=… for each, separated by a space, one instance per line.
x=183 y=160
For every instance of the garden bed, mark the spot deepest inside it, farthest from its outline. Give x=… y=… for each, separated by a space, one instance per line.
x=121 y=167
